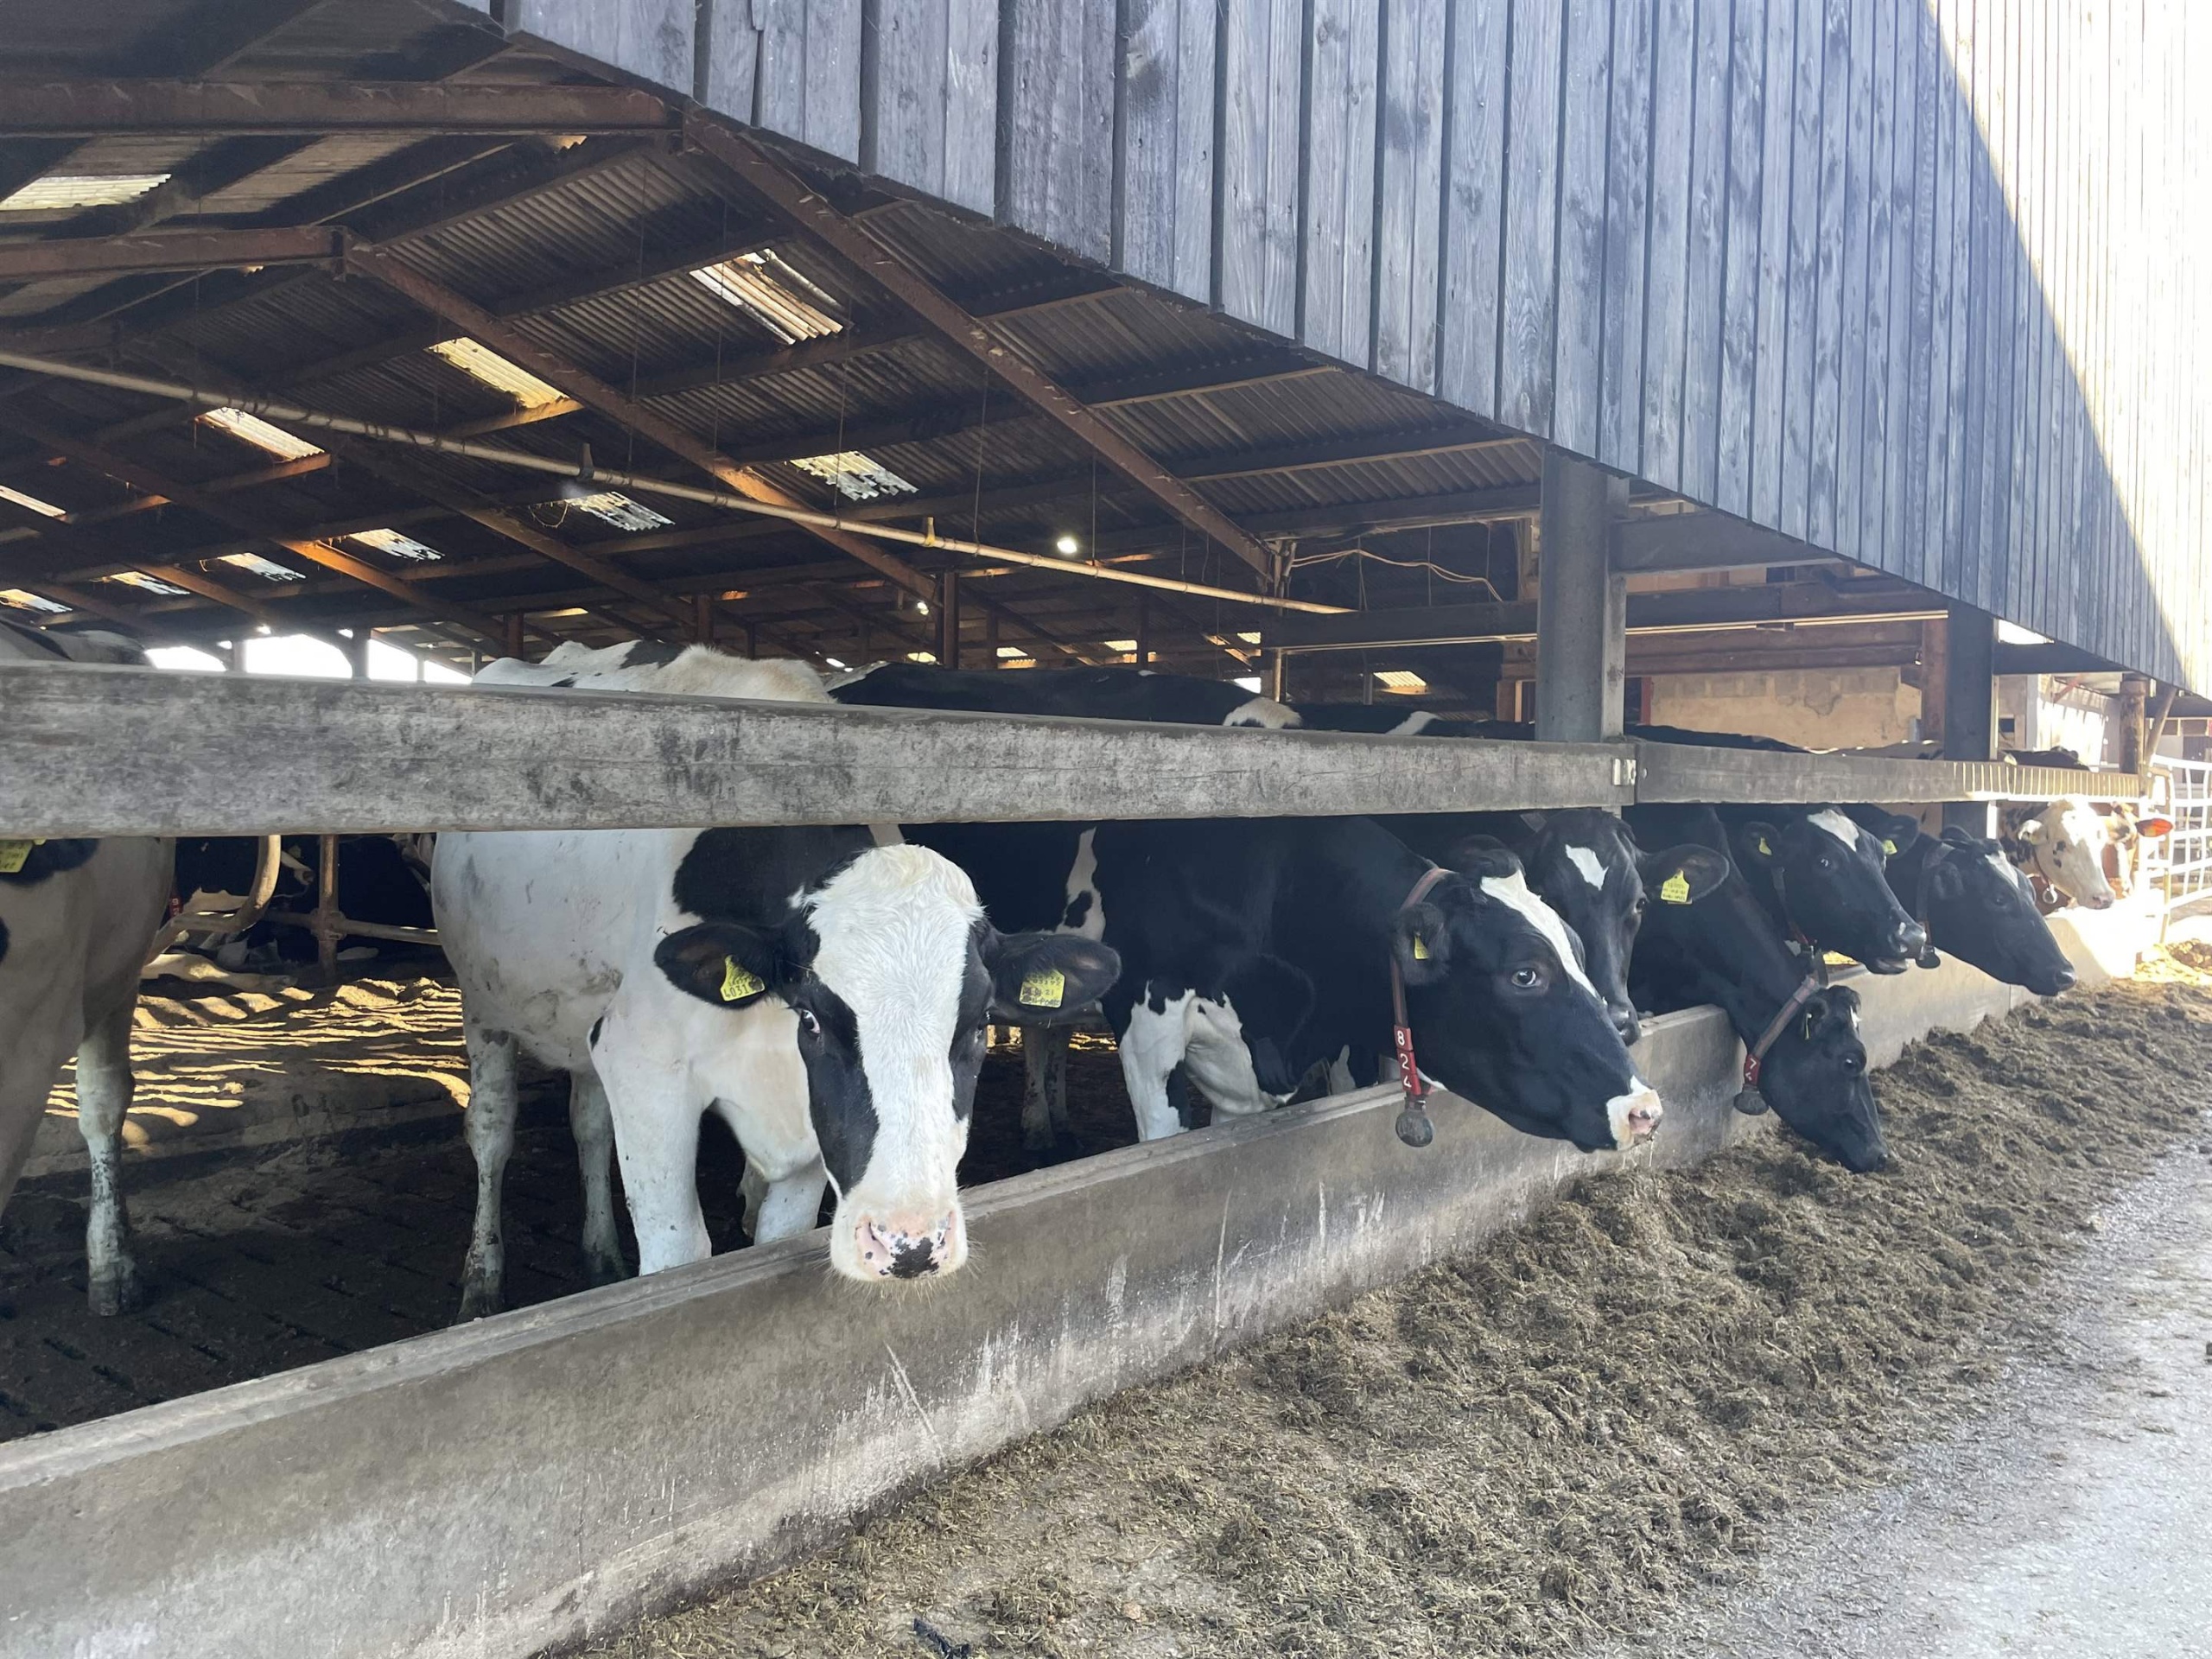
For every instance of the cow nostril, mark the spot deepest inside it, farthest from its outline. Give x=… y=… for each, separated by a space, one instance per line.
x=891 y=1252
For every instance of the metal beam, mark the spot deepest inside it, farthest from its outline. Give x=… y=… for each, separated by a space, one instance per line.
x=86 y=256
x=856 y=246
x=106 y=108
x=136 y=752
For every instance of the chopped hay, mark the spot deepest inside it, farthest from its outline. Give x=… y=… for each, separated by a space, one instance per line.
x=1536 y=1444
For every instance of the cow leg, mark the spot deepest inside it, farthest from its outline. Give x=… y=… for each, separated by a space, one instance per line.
x=1057 y=1039
x=656 y=1116
x=753 y=1192
x=1044 y=1086
x=594 y=1129
x=790 y=1205
x=104 y=1088
x=1152 y=1046
x=490 y=1126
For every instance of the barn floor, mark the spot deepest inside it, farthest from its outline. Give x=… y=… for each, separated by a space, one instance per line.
x=1615 y=1412
x=265 y=1257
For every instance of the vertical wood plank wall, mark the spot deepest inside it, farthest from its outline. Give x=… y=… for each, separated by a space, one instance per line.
x=1925 y=282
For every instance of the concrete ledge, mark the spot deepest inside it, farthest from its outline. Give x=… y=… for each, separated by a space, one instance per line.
x=530 y=1479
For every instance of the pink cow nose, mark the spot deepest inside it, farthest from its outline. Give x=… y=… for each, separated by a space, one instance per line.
x=904 y=1247
x=1643 y=1122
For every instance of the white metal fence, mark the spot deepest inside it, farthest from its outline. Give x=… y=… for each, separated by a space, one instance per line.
x=2182 y=789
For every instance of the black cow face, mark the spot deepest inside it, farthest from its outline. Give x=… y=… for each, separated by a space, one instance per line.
x=1828 y=870
x=1503 y=1015
x=1814 y=1075
x=1979 y=907
x=1585 y=864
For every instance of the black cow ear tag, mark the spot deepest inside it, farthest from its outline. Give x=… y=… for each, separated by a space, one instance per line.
x=1045 y=988
x=1420 y=949
x=1675 y=889
x=737 y=983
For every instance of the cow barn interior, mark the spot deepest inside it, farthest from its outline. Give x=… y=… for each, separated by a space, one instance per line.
x=434 y=334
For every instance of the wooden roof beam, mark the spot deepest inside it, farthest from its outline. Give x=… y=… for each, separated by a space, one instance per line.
x=105 y=109
x=99 y=256
x=856 y=246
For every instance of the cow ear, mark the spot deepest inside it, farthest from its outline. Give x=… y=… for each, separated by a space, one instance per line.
x=1481 y=856
x=1047 y=978
x=1896 y=832
x=2031 y=832
x=1420 y=943
x=725 y=963
x=1945 y=879
x=1759 y=843
x=1681 y=875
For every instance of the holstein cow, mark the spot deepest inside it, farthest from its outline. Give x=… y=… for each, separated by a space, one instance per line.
x=1802 y=1049
x=826 y=990
x=1820 y=873
x=1975 y=904
x=76 y=918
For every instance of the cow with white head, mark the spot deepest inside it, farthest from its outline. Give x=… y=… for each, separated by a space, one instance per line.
x=2064 y=844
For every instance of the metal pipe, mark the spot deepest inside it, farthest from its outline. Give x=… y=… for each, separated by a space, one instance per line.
x=380 y=432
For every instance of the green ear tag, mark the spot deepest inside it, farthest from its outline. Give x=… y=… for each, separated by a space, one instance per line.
x=1889 y=849
x=14 y=855
x=1675 y=889
x=1809 y=1025
x=1045 y=989
x=737 y=984
x=1420 y=951
x=1765 y=851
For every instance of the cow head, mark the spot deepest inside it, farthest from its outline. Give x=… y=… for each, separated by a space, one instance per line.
x=892 y=973
x=1585 y=865
x=1504 y=1015
x=1828 y=870
x=1981 y=910
x=2064 y=844
x=1814 y=1075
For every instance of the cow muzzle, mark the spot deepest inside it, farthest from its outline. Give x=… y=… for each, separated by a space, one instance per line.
x=1635 y=1116
x=1625 y=1021
x=892 y=1245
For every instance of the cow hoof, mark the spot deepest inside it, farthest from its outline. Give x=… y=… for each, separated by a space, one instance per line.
x=480 y=1302
x=120 y=1291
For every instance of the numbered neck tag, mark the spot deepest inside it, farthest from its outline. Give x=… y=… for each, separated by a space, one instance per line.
x=1044 y=989
x=737 y=983
x=1675 y=889
x=14 y=855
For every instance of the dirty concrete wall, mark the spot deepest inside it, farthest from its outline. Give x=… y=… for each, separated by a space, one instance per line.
x=533 y=1478
x=1830 y=709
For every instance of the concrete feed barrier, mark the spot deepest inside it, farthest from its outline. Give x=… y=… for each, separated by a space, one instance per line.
x=530 y=1479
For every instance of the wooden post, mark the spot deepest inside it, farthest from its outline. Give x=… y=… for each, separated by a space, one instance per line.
x=2134 y=753
x=1279 y=673
x=356 y=653
x=326 y=911
x=514 y=635
x=990 y=638
x=948 y=618
x=1582 y=606
x=753 y=640
x=1144 y=629
x=702 y=618
x=1934 y=660
x=1969 y=707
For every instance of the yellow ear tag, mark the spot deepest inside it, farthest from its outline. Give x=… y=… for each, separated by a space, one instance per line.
x=1675 y=889
x=1765 y=851
x=14 y=855
x=1420 y=949
x=1889 y=849
x=1044 y=989
x=737 y=984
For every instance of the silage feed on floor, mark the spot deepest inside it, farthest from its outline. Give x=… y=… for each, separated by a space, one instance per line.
x=1547 y=1439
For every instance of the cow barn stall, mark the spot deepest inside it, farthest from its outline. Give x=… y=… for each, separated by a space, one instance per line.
x=1367 y=364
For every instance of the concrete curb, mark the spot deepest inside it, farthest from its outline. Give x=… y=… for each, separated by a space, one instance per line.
x=532 y=1480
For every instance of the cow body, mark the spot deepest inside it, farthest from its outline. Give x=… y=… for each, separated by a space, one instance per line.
x=76 y=919
x=824 y=990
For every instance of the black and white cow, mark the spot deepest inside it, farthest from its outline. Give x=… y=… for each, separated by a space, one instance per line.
x=1821 y=876
x=76 y=919
x=1729 y=951
x=825 y=990
x=1977 y=906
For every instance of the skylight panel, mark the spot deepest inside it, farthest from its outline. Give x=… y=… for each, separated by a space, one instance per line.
x=1124 y=646
x=1400 y=679
x=139 y=579
x=261 y=567
x=59 y=192
x=620 y=510
x=252 y=429
x=23 y=602
x=1009 y=652
x=482 y=364
x=46 y=509
x=856 y=476
x=772 y=295
x=397 y=545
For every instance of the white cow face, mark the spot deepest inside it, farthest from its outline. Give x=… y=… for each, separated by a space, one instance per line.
x=893 y=973
x=2065 y=846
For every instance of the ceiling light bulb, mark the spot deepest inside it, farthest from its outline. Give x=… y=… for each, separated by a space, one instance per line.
x=1066 y=545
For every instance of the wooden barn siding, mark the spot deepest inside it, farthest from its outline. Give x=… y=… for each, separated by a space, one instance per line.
x=1921 y=281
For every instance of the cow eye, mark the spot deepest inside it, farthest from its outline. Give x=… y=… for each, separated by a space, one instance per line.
x=1825 y=861
x=808 y=1023
x=1528 y=977
x=1853 y=1064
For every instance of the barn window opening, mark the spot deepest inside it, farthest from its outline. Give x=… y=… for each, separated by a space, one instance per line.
x=1402 y=680
x=485 y=365
x=23 y=602
x=185 y=658
x=1249 y=639
x=260 y=567
x=58 y=192
x=398 y=546
x=854 y=475
x=44 y=509
x=1124 y=646
x=252 y=429
x=620 y=510
x=139 y=579
x=773 y=294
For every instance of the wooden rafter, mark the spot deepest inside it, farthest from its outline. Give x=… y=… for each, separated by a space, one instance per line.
x=102 y=256
x=101 y=109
